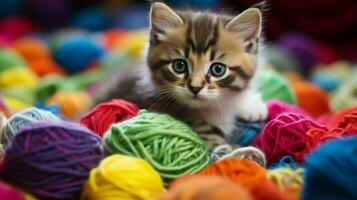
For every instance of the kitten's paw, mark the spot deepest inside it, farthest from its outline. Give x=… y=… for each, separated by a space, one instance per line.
x=254 y=110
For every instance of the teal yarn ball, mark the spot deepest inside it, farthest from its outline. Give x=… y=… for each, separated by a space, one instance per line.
x=22 y=119
x=280 y=59
x=10 y=59
x=169 y=145
x=245 y=132
x=273 y=85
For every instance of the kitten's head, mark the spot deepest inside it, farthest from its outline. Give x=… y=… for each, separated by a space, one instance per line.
x=202 y=58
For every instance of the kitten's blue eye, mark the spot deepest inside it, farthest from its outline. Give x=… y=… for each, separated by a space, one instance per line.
x=218 y=69
x=179 y=66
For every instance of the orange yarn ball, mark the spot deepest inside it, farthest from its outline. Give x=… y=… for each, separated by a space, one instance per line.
x=44 y=66
x=113 y=38
x=198 y=187
x=311 y=98
x=249 y=175
x=72 y=104
x=31 y=49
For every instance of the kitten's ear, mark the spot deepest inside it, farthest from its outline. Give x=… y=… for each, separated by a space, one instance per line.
x=247 y=25
x=163 y=18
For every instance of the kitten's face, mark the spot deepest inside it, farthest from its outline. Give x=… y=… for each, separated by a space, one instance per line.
x=201 y=58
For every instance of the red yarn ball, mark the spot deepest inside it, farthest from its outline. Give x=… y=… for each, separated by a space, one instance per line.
x=105 y=114
x=285 y=135
x=276 y=107
x=332 y=120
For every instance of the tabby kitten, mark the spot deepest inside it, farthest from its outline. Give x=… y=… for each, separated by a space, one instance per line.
x=200 y=69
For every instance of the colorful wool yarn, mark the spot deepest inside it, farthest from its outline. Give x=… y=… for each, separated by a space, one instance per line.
x=18 y=77
x=90 y=53
x=279 y=59
x=311 y=98
x=198 y=187
x=52 y=159
x=247 y=174
x=331 y=171
x=345 y=96
x=8 y=193
x=123 y=177
x=225 y=151
x=288 y=180
x=100 y=118
x=245 y=132
x=285 y=135
x=31 y=48
x=72 y=103
x=272 y=85
x=10 y=59
x=169 y=145
x=276 y=107
x=22 y=119
x=44 y=66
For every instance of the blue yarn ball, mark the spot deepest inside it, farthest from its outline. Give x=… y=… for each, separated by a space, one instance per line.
x=132 y=17
x=331 y=171
x=92 y=19
x=285 y=161
x=246 y=132
x=76 y=54
x=326 y=82
x=193 y=3
x=9 y=7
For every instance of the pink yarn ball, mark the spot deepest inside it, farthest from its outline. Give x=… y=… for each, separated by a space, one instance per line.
x=276 y=107
x=285 y=135
x=14 y=27
x=8 y=193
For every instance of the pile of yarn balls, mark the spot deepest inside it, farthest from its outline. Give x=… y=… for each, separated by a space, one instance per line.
x=55 y=144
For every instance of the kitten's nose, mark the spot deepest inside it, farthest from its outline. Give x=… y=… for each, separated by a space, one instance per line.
x=195 y=90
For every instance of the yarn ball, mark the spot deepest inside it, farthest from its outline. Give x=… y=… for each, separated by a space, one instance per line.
x=71 y=103
x=245 y=132
x=281 y=60
x=14 y=27
x=24 y=94
x=285 y=162
x=50 y=84
x=31 y=48
x=45 y=66
x=100 y=118
x=22 y=119
x=8 y=193
x=113 y=37
x=345 y=96
x=247 y=174
x=51 y=13
x=3 y=122
x=123 y=177
x=89 y=53
x=10 y=59
x=325 y=54
x=226 y=151
x=348 y=124
x=276 y=107
x=52 y=159
x=305 y=92
x=18 y=77
x=14 y=104
x=91 y=18
x=285 y=135
x=198 y=187
x=169 y=145
x=331 y=171
x=274 y=86
x=301 y=47
x=10 y=7
x=327 y=83
x=132 y=17
x=287 y=179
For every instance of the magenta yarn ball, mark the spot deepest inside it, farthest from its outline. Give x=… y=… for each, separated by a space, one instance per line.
x=9 y=193
x=276 y=107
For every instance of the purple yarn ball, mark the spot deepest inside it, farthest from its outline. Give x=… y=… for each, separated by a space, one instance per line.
x=52 y=160
x=301 y=47
x=51 y=13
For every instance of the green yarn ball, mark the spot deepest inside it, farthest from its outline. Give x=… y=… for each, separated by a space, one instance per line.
x=169 y=145
x=10 y=59
x=272 y=85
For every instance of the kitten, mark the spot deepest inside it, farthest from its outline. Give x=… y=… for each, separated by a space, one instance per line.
x=200 y=69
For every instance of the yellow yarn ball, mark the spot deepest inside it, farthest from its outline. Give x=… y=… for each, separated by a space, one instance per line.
x=14 y=104
x=71 y=103
x=123 y=177
x=287 y=179
x=135 y=43
x=15 y=77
